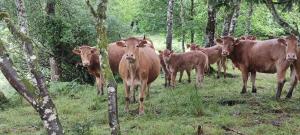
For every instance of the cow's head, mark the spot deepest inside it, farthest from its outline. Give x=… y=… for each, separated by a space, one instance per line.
x=291 y=44
x=86 y=53
x=167 y=55
x=228 y=44
x=132 y=46
x=193 y=46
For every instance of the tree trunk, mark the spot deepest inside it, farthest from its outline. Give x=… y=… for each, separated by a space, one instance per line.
x=54 y=69
x=235 y=17
x=192 y=13
x=41 y=101
x=22 y=19
x=227 y=19
x=54 y=63
x=288 y=28
x=170 y=24
x=211 y=25
x=182 y=25
x=249 y=18
x=100 y=18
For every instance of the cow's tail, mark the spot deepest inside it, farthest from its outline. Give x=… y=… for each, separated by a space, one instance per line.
x=206 y=65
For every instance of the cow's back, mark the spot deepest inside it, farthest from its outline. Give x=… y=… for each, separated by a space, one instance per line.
x=115 y=54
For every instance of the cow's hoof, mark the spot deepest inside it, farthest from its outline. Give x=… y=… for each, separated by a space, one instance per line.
x=288 y=96
x=189 y=81
x=243 y=92
x=218 y=77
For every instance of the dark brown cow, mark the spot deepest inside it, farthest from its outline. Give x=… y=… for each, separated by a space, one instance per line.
x=269 y=56
x=90 y=59
x=186 y=61
x=139 y=65
x=214 y=54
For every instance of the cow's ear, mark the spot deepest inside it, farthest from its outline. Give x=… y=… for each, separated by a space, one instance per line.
x=243 y=38
x=76 y=51
x=236 y=42
x=219 y=41
x=94 y=49
x=188 y=45
x=253 y=37
x=171 y=51
x=282 y=41
x=121 y=43
x=142 y=43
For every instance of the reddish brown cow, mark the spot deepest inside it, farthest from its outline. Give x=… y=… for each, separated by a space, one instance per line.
x=186 y=61
x=248 y=37
x=139 y=65
x=214 y=54
x=269 y=56
x=90 y=59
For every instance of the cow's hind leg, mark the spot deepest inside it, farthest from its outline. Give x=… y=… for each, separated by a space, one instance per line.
x=127 y=99
x=188 y=72
x=253 y=77
x=180 y=76
x=99 y=85
x=280 y=83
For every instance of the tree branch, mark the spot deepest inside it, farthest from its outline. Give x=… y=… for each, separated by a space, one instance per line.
x=92 y=9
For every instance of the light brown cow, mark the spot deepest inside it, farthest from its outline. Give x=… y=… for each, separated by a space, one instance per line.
x=186 y=61
x=139 y=65
x=90 y=59
x=214 y=54
x=268 y=56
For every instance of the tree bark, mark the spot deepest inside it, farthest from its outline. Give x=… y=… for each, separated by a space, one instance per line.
x=54 y=63
x=227 y=19
x=41 y=102
x=192 y=14
x=211 y=25
x=170 y=24
x=100 y=18
x=182 y=25
x=288 y=28
x=54 y=69
x=235 y=17
x=249 y=18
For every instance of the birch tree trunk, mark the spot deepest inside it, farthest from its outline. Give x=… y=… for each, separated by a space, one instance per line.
x=249 y=18
x=227 y=20
x=41 y=101
x=100 y=18
x=235 y=17
x=192 y=14
x=54 y=64
x=211 y=24
x=182 y=25
x=287 y=27
x=170 y=24
x=22 y=20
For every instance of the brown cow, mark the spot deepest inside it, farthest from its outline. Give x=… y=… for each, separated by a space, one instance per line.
x=139 y=65
x=90 y=59
x=248 y=37
x=186 y=61
x=214 y=54
x=268 y=56
x=167 y=74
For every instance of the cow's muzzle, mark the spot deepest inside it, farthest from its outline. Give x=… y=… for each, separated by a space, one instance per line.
x=85 y=64
x=291 y=57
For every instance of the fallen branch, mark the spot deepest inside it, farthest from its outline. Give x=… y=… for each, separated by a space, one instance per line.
x=232 y=130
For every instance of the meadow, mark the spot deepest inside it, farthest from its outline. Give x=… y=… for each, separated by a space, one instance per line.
x=218 y=107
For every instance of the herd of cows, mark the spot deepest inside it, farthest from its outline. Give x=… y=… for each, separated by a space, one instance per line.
x=138 y=64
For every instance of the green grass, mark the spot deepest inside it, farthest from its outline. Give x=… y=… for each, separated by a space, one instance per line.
x=168 y=111
x=178 y=111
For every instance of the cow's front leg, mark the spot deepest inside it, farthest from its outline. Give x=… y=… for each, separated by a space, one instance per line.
x=245 y=75
x=99 y=85
x=173 y=78
x=188 y=72
x=293 y=83
x=280 y=83
x=180 y=76
x=127 y=99
x=142 y=97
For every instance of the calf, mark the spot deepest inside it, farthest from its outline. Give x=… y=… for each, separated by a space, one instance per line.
x=214 y=54
x=139 y=65
x=186 y=61
x=268 y=56
x=90 y=59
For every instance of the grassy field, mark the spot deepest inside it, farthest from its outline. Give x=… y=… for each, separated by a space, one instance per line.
x=178 y=111
x=217 y=107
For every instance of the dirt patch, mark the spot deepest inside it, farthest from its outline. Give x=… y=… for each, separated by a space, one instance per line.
x=231 y=102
